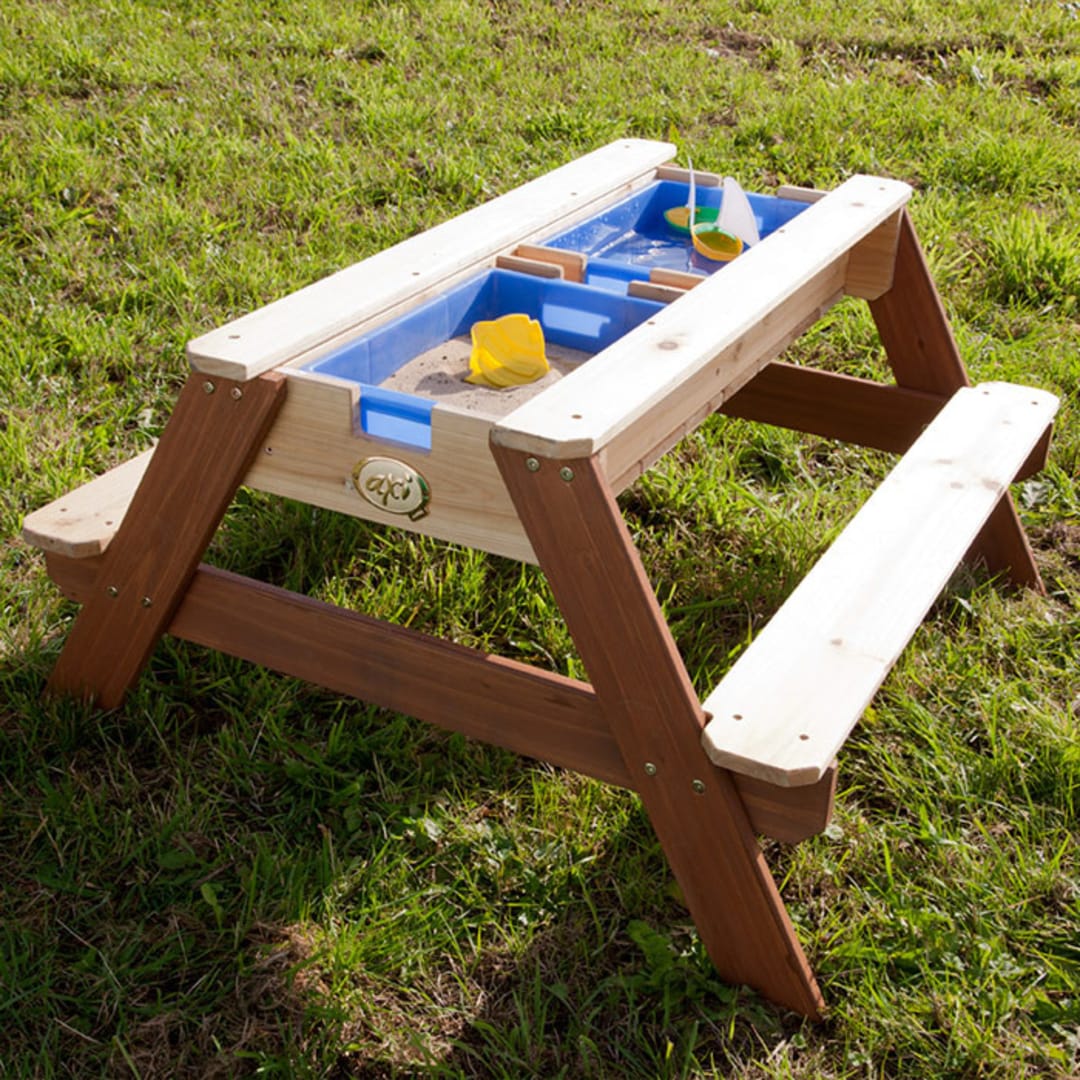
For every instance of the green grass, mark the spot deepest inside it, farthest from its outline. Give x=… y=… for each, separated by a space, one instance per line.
x=236 y=874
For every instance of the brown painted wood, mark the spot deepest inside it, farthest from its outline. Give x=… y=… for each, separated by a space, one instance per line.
x=881 y=416
x=791 y=814
x=884 y=417
x=503 y=702
x=197 y=466
x=923 y=354
x=586 y=551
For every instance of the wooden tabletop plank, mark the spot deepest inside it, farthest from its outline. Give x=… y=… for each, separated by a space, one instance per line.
x=631 y=379
x=288 y=327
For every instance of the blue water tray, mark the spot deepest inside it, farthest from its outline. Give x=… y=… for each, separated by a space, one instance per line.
x=572 y=315
x=625 y=241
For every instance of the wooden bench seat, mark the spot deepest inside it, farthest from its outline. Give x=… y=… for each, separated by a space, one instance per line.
x=785 y=708
x=81 y=523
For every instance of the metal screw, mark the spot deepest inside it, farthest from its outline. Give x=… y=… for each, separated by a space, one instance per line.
x=566 y=473
x=208 y=387
x=698 y=786
x=237 y=393
x=532 y=464
x=650 y=769
x=147 y=602
x=113 y=591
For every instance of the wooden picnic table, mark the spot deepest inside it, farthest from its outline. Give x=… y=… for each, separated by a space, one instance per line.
x=538 y=481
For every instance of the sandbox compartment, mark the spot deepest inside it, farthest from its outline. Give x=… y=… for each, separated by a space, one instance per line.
x=407 y=366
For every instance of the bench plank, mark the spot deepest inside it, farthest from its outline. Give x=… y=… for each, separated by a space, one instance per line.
x=81 y=523
x=790 y=701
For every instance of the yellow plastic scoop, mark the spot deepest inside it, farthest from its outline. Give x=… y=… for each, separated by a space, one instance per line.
x=508 y=351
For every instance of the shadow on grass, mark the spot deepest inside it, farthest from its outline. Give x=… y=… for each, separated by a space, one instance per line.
x=235 y=874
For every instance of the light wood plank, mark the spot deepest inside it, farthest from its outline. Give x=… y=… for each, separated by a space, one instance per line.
x=800 y=194
x=792 y=698
x=522 y=265
x=871 y=262
x=297 y=323
x=81 y=523
x=680 y=279
x=316 y=443
x=682 y=176
x=573 y=263
x=652 y=290
x=628 y=384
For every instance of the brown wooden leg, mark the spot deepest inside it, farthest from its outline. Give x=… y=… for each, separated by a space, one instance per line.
x=924 y=356
x=642 y=687
x=198 y=464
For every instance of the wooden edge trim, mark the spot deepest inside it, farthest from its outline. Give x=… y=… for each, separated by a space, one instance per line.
x=682 y=176
x=573 y=263
x=680 y=279
x=529 y=266
x=649 y=290
x=503 y=702
x=800 y=194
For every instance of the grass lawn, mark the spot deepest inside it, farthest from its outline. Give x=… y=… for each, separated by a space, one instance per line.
x=235 y=874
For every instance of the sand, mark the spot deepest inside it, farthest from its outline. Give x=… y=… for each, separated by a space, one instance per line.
x=440 y=373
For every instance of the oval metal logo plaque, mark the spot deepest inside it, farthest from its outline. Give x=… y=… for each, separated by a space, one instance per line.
x=393 y=486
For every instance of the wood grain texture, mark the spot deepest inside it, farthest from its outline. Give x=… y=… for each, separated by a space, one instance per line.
x=877 y=415
x=316 y=443
x=572 y=263
x=374 y=288
x=644 y=692
x=872 y=260
x=791 y=699
x=652 y=290
x=881 y=416
x=923 y=354
x=535 y=267
x=717 y=329
x=499 y=701
x=679 y=279
x=195 y=470
x=83 y=522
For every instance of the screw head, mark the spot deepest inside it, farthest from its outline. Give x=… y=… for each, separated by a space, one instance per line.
x=698 y=786
x=237 y=393
x=566 y=473
x=113 y=591
x=147 y=602
x=208 y=387
x=532 y=464
x=650 y=769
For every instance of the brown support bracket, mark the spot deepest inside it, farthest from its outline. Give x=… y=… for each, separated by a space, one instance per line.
x=642 y=687
x=923 y=354
x=198 y=464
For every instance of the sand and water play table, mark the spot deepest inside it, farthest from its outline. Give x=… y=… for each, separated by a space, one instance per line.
x=348 y=395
